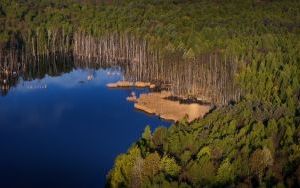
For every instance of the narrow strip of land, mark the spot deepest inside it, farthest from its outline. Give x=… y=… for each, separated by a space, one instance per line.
x=121 y=84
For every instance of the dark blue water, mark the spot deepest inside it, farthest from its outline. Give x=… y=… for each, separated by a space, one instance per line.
x=66 y=131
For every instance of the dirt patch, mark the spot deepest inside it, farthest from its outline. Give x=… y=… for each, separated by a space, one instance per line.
x=158 y=103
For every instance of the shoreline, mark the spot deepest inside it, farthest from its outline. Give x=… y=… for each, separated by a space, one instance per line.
x=126 y=84
x=157 y=103
x=163 y=104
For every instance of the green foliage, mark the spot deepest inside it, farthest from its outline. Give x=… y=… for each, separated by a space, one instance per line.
x=259 y=148
x=169 y=166
x=260 y=160
x=255 y=139
x=204 y=151
x=159 y=136
x=191 y=27
x=151 y=165
x=202 y=172
x=147 y=133
x=225 y=173
x=124 y=165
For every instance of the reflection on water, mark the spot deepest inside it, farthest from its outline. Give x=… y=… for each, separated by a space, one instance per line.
x=209 y=77
x=12 y=72
x=60 y=126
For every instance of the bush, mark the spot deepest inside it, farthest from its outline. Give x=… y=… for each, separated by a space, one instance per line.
x=169 y=166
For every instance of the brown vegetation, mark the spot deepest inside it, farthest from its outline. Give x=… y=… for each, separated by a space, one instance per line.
x=156 y=103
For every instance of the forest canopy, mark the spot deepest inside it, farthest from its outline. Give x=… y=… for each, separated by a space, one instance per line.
x=254 y=141
x=191 y=26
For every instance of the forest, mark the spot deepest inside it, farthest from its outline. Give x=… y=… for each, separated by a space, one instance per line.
x=242 y=56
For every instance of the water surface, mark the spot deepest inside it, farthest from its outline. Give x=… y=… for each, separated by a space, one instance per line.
x=66 y=130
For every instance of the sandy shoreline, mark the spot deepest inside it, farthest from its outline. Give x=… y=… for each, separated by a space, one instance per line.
x=160 y=103
x=121 y=84
x=156 y=103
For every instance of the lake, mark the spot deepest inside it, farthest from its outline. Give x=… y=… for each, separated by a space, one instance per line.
x=66 y=130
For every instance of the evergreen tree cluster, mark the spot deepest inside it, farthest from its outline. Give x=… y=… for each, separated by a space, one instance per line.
x=249 y=144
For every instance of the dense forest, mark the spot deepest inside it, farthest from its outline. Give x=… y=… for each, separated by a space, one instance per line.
x=243 y=56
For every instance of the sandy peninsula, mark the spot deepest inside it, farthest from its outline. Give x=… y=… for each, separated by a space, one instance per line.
x=158 y=104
